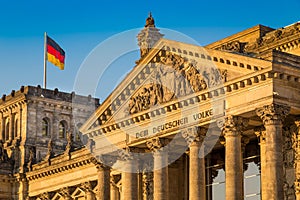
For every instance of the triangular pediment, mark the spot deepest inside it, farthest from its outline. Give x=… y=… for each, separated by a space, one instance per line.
x=171 y=70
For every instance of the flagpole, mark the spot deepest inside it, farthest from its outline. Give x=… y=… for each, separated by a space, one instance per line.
x=45 y=60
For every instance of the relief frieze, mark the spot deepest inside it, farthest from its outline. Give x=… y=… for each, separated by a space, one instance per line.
x=173 y=77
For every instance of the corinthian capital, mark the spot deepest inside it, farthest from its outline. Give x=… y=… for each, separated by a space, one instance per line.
x=127 y=154
x=156 y=144
x=194 y=134
x=233 y=125
x=273 y=113
x=102 y=161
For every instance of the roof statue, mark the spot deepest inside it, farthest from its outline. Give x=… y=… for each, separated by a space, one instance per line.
x=150 y=21
x=148 y=36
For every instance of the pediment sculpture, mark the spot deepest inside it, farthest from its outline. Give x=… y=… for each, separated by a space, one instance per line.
x=173 y=77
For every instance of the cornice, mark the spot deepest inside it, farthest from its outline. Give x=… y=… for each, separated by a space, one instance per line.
x=60 y=165
x=131 y=82
x=281 y=39
x=228 y=88
x=17 y=102
x=202 y=97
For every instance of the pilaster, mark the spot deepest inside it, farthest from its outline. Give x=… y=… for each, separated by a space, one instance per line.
x=20 y=121
x=11 y=125
x=23 y=187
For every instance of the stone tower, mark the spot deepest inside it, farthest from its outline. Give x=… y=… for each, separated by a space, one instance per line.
x=148 y=36
x=33 y=119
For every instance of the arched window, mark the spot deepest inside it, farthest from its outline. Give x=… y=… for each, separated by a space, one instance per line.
x=62 y=129
x=45 y=127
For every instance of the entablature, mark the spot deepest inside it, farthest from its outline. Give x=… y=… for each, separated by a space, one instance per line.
x=60 y=164
x=133 y=81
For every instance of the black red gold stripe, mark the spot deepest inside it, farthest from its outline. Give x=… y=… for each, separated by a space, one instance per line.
x=55 y=54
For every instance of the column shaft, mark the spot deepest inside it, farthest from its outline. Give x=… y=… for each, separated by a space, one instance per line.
x=129 y=181
x=90 y=195
x=197 y=173
x=232 y=131
x=103 y=183
x=273 y=116
x=114 y=193
x=234 y=168
x=273 y=162
x=160 y=179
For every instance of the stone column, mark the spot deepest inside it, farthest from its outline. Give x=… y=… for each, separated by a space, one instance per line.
x=272 y=117
x=147 y=185
x=197 y=186
x=160 y=174
x=129 y=175
x=114 y=189
x=260 y=132
x=296 y=148
x=103 y=182
x=232 y=130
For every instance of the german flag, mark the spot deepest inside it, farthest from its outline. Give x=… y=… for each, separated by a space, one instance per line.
x=55 y=54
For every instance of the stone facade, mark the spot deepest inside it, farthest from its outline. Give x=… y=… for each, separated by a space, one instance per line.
x=181 y=117
x=35 y=123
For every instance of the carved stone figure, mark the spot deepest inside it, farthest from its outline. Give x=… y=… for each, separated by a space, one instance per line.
x=31 y=159
x=3 y=153
x=150 y=21
x=234 y=46
x=148 y=36
x=69 y=146
x=50 y=152
x=174 y=77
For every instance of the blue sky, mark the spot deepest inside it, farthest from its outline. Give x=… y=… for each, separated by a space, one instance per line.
x=79 y=26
